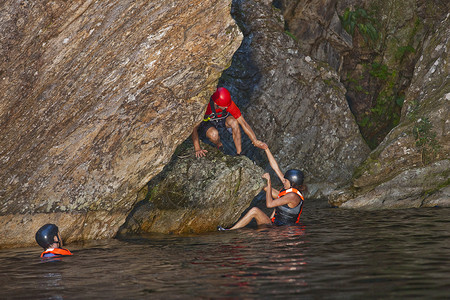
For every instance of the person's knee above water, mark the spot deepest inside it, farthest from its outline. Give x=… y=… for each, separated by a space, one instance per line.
x=48 y=237
x=222 y=112
x=288 y=202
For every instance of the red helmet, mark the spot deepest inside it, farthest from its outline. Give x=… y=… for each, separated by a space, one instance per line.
x=222 y=97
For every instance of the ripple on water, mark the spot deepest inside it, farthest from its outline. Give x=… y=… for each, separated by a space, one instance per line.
x=334 y=254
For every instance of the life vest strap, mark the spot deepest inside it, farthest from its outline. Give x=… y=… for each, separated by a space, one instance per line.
x=214 y=115
x=291 y=190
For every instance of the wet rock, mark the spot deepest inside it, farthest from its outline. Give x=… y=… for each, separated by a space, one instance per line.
x=194 y=195
x=294 y=103
x=317 y=27
x=410 y=168
x=95 y=97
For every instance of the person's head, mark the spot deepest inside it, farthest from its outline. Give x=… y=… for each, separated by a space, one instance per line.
x=295 y=179
x=48 y=236
x=222 y=97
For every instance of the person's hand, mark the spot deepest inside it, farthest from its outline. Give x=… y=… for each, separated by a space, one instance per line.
x=266 y=176
x=200 y=153
x=260 y=145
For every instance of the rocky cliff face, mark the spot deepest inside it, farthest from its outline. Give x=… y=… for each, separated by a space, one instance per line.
x=95 y=96
x=410 y=168
x=373 y=45
x=318 y=29
x=295 y=103
x=402 y=62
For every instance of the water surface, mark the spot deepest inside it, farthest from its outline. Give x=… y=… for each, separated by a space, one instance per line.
x=334 y=254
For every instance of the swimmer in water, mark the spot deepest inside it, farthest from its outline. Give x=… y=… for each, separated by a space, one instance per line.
x=288 y=202
x=48 y=237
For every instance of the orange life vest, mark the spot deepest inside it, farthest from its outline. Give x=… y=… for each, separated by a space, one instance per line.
x=291 y=190
x=287 y=213
x=57 y=251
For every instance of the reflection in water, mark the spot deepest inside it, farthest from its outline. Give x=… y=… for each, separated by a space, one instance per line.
x=335 y=254
x=52 y=280
x=54 y=284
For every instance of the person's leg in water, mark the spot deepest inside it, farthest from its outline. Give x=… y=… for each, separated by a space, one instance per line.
x=232 y=123
x=254 y=213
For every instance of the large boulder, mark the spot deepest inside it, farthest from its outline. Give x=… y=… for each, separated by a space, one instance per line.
x=95 y=97
x=316 y=25
x=411 y=167
x=294 y=103
x=194 y=195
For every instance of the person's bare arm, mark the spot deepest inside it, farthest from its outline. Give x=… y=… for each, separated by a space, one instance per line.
x=274 y=192
x=199 y=152
x=249 y=131
x=273 y=163
x=290 y=198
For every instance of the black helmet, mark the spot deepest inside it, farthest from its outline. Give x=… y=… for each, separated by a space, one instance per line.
x=45 y=236
x=295 y=177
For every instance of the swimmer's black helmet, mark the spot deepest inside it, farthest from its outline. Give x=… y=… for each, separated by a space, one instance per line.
x=295 y=177
x=45 y=236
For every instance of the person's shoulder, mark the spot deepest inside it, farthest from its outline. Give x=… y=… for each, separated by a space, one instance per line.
x=233 y=105
x=233 y=109
x=292 y=197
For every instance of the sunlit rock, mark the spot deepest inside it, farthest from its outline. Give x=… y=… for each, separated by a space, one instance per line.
x=95 y=97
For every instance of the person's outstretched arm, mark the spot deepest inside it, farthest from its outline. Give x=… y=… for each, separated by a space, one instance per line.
x=274 y=165
x=249 y=132
x=269 y=198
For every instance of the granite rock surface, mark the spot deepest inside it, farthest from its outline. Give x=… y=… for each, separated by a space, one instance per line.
x=95 y=97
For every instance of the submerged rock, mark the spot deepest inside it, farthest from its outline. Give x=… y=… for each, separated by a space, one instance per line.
x=411 y=167
x=95 y=97
x=193 y=195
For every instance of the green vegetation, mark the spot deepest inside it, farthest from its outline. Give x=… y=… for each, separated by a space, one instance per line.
x=425 y=139
x=362 y=21
x=355 y=84
x=290 y=34
x=387 y=101
x=403 y=51
x=423 y=133
x=379 y=72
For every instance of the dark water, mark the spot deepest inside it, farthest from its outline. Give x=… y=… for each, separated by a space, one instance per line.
x=335 y=254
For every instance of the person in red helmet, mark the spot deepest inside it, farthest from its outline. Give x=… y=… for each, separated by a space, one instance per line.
x=222 y=112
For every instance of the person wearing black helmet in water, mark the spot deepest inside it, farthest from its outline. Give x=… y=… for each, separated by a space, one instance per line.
x=288 y=202
x=48 y=237
x=222 y=112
